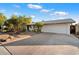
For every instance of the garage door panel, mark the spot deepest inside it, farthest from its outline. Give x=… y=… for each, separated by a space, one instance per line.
x=57 y=28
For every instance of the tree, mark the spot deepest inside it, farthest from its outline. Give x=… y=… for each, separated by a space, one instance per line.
x=14 y=20
x=12 y=23
x=25 y=21
x=9 y=25
x=18 y=23
x=2 y=19
x=28 y=22
x=39 y=25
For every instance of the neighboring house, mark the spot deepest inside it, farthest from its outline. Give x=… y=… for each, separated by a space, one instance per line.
x=58 y=26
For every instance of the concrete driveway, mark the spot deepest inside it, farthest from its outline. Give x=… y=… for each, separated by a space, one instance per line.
x=45 y=43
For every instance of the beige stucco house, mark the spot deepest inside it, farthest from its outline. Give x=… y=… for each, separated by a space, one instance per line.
x=58 y=26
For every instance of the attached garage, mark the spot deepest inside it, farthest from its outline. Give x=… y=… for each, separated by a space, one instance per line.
x=58 y=26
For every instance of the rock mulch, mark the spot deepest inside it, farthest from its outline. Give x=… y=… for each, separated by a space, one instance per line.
x=10 y=38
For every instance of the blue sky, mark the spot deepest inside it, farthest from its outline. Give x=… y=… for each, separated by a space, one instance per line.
x=42 y=11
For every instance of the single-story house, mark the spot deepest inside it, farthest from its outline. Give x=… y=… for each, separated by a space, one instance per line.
x=58 y=26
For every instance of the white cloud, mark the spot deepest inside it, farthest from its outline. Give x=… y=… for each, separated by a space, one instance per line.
x=17 y=6
x=60 y=13
x=45 y=10
x=33 y=16
x=34 y=6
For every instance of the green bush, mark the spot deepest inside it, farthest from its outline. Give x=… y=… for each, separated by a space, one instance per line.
x=39 y=25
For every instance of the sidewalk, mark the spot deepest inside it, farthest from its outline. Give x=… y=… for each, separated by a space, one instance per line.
x=3 y=51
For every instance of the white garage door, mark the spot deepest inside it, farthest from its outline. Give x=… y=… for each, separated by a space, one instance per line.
x=57 y=28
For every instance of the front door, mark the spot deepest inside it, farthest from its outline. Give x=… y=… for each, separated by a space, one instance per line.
x=72 y=29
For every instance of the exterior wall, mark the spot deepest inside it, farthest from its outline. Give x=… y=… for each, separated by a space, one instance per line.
x=57 y=28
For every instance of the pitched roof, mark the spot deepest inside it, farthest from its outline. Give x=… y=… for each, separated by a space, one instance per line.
x=59 y=21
